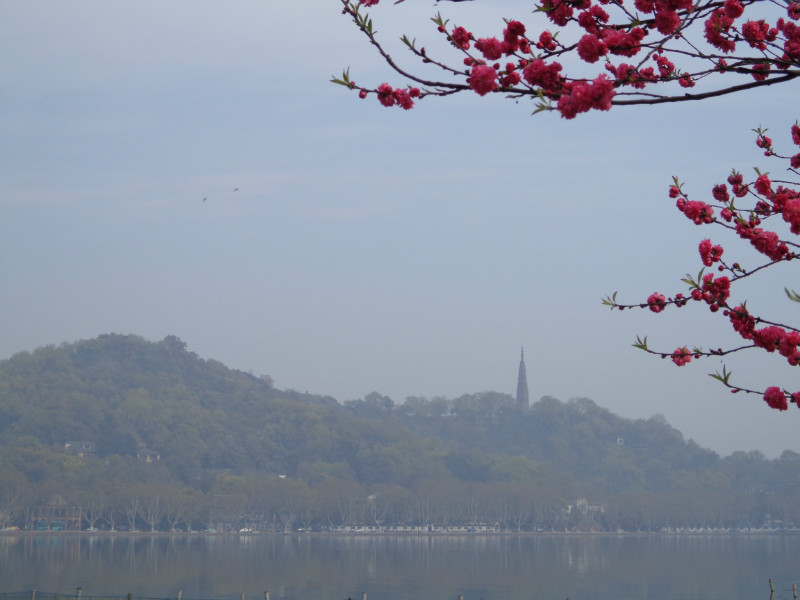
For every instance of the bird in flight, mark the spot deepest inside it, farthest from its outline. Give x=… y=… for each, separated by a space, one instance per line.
x=206 y=198
x=235 y=189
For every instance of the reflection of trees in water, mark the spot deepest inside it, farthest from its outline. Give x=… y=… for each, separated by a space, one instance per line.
x=400 y=567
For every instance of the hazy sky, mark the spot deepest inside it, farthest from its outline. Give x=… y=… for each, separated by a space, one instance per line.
x=366 y=249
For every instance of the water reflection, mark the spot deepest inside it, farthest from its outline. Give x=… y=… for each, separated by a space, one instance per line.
x=401 y=567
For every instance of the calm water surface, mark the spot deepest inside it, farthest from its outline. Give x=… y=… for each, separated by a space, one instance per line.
x=604 y=567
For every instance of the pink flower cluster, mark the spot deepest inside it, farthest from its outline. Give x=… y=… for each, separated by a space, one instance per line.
x=483 y=79
x=775 y=398
x=544 y=75
x=715 y=291
x=709 y=253
x=771 y=338
x=627 y=74
x=657 y=302
x=766 y=242
x=770 y=200
x=759 y=33
x=774 y=46
x=582 y=96
x=460 y=38
x=389 y=96
x=681 y=356
x=698 y=212
x=492 y=48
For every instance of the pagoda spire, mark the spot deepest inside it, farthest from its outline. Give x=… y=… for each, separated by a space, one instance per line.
x=522 y=382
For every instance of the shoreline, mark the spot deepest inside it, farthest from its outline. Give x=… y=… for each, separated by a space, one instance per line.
x=100 y=533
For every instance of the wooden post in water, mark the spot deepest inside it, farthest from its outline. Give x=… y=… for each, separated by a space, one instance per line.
x=241 y=596
x=771 y=590
x=461 y=597
x=363 y=595
x=266 y=595
x=33 y=594
x=180 y=594
x=79 y=592
x=794 y=590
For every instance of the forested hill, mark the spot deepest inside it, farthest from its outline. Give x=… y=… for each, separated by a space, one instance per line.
x=154 y=413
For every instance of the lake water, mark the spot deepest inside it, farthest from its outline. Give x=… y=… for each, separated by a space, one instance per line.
x=311 y=567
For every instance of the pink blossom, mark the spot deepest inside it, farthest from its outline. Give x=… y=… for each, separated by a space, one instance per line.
x=768 y=243
x=491 y=48
x=403 y=99
x=788 y=345
x=386 y=94
x=720 y=193
x=546 y=76
x=546 y=41
x=710 y=254
x=591 y=48
x=558 y=11
x=681 y=356
x=743 y=323
x=623 y=43
x=717 y=27
x=762 y=141
x=674 y=4
x=791 y=214
x=510 y=79
x=628 y=75
x=665 y=66
x=514 y=29
x=775 y=398
x=768 y=338
x=460 y=38
x=717 y=290
x=667 y=21
x=698 y=212
x=761 y=71
x=733 y=9
x=657 y=302
x=483 y=79
x=591 y=19
x=584 y=96
x=756 y=33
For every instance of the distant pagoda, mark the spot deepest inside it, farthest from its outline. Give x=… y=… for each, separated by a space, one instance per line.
x=522 y=382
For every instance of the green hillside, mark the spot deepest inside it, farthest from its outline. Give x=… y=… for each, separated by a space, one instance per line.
x=150 y=434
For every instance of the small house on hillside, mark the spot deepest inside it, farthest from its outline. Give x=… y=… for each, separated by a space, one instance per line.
x=147 y=455
x=82 y=449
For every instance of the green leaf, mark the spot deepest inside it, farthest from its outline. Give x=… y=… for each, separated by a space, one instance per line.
x=793 y=296
x=610 y=300
x=724 y=377
x=345 y=80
